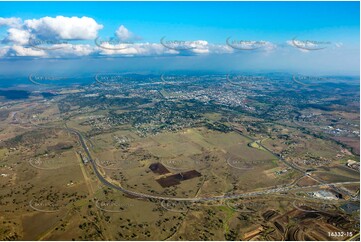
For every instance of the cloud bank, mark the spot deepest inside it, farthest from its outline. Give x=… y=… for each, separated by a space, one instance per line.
x=71 y=37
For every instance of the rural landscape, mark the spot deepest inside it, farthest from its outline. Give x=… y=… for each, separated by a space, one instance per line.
x=179 y=120
x=204 y=157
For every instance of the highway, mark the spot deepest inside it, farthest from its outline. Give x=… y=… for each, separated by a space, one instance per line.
x=195 y=199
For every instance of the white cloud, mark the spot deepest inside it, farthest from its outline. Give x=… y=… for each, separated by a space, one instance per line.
x=64 y=27
x=4 y=51
x=52 y=37
x=47 y=29
x=301 y=45
x=147 y=49
x=197 y=47
x=22 y=51
x=310 y=45
x=17 y=36
x=123 y=33
x=11 y=22
x=269 y=46
x=203 y=47
x=249 y=45
x=70 y=50
x=137 y=49
x=59 y=51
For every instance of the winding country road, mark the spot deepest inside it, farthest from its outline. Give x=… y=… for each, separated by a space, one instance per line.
x=195 y=199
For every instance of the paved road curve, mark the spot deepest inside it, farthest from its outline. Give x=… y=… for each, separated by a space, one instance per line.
x=196 y=199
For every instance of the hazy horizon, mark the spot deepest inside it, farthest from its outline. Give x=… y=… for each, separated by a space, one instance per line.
x=319 y=38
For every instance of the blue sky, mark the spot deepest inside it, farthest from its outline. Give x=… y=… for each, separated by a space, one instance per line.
x=276 y=23
x=209 y=20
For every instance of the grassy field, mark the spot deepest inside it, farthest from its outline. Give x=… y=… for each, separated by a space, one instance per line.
x=198 y=149
x=42 y=167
